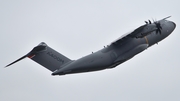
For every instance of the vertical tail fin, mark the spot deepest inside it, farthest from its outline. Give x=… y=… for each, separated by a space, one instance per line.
x=46 y=56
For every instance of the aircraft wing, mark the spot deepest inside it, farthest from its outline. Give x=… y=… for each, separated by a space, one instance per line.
x=130 y=35
x=121 y=40
x=140 y=32
x=147 y=28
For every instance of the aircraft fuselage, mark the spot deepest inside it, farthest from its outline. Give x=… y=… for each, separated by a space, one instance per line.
x=114 y=54
x=119 y=52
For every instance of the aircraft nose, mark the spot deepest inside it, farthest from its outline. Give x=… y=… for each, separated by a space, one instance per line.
x=172 y=25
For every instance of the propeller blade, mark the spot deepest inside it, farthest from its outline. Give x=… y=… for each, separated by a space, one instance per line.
x=157 y=31
x=160 y=31
x=149 y=21
x=159 y=28
x=146 y=22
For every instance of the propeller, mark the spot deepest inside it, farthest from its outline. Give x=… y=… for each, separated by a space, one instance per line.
x=157 y=23
x=158 y=26
x=148 y=22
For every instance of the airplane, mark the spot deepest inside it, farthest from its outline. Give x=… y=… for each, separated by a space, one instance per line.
x=119 y=51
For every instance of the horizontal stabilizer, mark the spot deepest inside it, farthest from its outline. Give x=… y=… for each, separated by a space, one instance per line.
x=17 y=60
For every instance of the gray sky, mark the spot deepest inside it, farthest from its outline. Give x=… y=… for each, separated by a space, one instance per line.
x=75 y=28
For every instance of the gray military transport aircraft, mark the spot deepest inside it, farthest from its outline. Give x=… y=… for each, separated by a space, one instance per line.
x=114 y=54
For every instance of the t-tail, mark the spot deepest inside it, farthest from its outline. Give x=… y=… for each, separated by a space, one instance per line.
x=46 y=56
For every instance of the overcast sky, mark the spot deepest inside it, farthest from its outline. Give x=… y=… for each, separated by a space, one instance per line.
x=75 y=28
